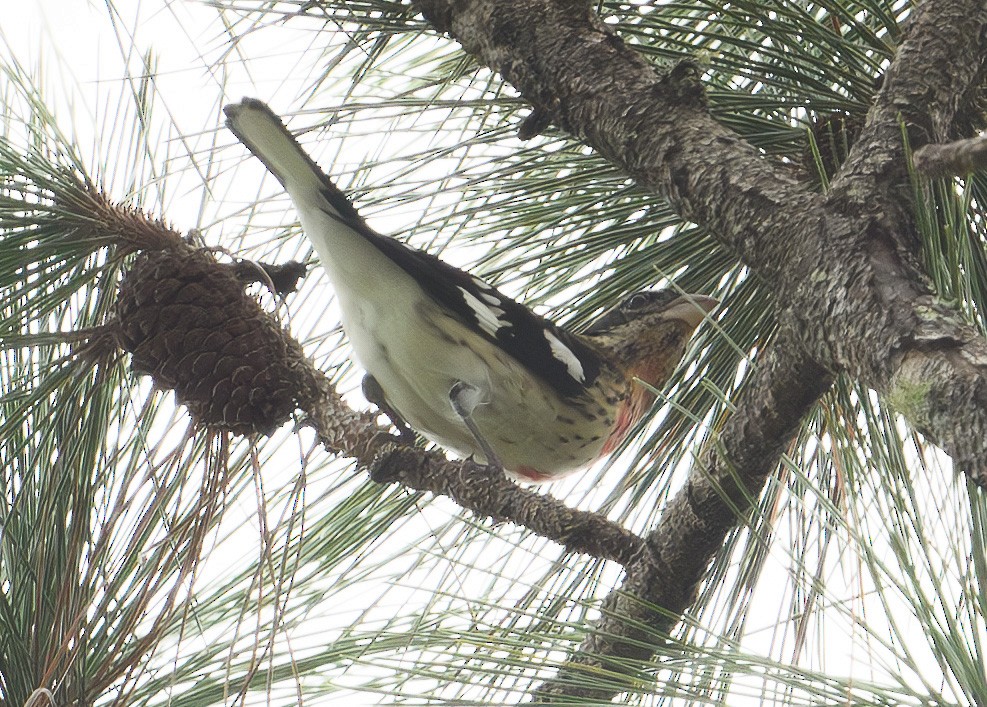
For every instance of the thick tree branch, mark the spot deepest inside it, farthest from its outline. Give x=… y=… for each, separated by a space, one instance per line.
x=939 y=64
x=839 y=264
x=573 y=67
x=719 y=491
x=932 y=366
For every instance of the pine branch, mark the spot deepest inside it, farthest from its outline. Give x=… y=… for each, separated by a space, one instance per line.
x=958 y=158
x=487 y=492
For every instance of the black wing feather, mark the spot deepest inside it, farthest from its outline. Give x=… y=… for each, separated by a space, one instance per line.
x=523 y=333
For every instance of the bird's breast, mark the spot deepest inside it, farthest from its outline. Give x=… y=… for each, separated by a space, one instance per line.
x=537 y=434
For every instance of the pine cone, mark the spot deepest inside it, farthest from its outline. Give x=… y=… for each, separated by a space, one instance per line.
x=190 y=326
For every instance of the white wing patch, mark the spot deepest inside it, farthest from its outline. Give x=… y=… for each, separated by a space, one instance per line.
x=487 y=293
x=563 y=354
x=481 y=284
x=487 y=317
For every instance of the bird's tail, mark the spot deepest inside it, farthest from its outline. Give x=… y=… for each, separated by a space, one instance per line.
x=262 y=132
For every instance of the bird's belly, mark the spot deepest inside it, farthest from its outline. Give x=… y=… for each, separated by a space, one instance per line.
x=536 y=435
x=545 y=441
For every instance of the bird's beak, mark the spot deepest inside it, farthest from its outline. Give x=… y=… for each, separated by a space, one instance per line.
x=691 y=309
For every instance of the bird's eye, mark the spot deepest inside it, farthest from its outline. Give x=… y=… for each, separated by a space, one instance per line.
x=638 y=301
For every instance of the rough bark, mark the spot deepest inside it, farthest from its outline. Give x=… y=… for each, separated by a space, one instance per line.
x=487 y=492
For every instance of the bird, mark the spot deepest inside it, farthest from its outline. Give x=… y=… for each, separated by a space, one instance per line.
x=450 y=356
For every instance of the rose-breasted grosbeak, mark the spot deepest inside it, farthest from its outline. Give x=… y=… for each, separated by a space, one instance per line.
x=462 y=363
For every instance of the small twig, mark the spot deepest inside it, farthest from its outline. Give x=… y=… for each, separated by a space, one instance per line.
x=535 y=123
x=280 y=279
x=952 y=159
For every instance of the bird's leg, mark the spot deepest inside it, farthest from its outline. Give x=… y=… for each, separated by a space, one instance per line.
x=458 y=396
x=375 y=395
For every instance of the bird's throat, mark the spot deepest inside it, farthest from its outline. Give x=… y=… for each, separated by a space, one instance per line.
x=628 y=415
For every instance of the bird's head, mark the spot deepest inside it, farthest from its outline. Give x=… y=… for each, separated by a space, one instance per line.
x=648 y=330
